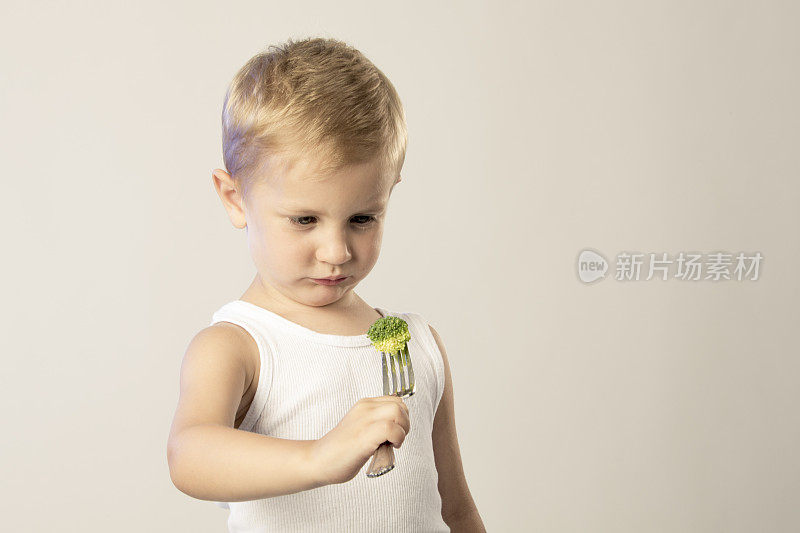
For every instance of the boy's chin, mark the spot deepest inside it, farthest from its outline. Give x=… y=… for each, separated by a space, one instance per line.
x=325 y=296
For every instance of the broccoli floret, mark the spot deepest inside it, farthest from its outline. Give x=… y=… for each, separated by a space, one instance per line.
x=389 y=334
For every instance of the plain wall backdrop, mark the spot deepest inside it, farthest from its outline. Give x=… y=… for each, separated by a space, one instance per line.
x=536 y=130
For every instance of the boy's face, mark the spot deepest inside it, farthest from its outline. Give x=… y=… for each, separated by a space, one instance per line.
x=299 y=229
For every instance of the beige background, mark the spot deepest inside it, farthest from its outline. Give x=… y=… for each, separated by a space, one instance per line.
x=536 y=130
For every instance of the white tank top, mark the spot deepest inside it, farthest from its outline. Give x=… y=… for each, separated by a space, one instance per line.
x=307 y=382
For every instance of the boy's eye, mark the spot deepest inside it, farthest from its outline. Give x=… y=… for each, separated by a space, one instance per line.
x=359 y=220
x=366 y=219
x=299 y=220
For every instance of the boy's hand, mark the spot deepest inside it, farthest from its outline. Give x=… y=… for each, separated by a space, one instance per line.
x=340 y=454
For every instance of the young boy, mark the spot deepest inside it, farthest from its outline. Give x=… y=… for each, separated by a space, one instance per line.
x=281 y=402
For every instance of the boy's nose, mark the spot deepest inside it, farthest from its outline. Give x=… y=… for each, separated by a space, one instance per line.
x=334 y=249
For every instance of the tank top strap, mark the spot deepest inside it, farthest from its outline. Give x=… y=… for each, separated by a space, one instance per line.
x=236 y=315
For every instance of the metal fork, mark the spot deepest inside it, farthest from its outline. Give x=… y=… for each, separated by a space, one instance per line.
x=398 y=379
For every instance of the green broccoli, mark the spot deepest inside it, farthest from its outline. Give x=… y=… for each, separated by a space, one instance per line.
x=389 y=334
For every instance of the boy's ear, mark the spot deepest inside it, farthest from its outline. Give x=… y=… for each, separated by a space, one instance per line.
x=231 y=198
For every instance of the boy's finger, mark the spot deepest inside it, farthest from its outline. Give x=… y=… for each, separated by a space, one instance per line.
x=394 y=399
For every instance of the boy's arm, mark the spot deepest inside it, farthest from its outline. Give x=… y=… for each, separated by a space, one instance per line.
x=209 y=459
x=458 y=508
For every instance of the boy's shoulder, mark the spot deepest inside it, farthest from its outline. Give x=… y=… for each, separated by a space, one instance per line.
x=216 y=376
x=223 y=333
x=229 y=340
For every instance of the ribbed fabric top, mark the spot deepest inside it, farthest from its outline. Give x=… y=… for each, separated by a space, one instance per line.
x=308 y=381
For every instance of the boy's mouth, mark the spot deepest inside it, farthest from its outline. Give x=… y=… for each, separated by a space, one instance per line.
x=329 y=281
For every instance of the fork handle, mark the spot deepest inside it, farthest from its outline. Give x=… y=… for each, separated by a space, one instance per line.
x=382 y=460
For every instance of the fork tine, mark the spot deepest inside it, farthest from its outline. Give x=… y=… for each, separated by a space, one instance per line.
x=385 y=374
x=410 y=371
x=396 y=374
x=401 y=359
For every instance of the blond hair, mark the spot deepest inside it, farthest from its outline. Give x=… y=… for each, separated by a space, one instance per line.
x=315 y=97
